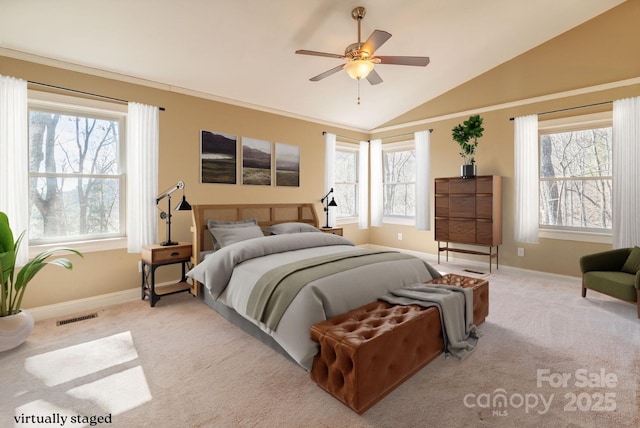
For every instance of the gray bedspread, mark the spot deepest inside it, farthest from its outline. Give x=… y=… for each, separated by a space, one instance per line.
x=456 y=312
x=276 y=289
x=230 y=274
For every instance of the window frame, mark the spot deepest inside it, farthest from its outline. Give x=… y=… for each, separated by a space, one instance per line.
x=57 y=103
x=406 y=145
x=342 y=146
x=568 y=124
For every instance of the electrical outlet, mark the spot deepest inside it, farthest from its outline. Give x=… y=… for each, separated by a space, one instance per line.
x=520 y=252
x=399 y=236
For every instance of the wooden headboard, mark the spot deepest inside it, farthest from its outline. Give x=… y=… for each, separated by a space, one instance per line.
x=267 y=215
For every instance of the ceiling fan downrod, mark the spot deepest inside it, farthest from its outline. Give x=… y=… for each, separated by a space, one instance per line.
x=358 y=14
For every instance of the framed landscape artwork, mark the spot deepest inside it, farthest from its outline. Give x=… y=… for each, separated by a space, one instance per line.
x=287 y=165
x=218 y=157
x=256 y=162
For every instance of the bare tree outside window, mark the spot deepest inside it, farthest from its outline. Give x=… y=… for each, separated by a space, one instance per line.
x=576 y=179
x=399 y=183
x=75 y=178
x=346 y=183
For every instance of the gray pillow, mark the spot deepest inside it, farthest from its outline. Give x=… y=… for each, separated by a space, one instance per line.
x=292 y=227
x=211 y=223
x=224 y=223
x=225 y=236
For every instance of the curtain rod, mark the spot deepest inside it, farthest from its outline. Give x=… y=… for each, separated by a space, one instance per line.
x=343 y=137
x=392 y=136
x=403 y=135
x=571 y=108
x=84 y=93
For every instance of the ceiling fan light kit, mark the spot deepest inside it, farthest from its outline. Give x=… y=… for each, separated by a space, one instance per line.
x=358 y=69
x=360 y=59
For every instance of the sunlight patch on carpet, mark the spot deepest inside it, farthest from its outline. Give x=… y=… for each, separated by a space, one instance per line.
x=73 y=362
x=116 y=393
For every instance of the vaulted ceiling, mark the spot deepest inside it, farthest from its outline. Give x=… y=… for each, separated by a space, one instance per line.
x=243 y=51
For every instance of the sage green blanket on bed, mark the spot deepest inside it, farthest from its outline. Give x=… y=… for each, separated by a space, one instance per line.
x=277 y=288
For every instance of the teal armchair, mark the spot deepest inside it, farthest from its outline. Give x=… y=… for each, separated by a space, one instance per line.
x=614 y=272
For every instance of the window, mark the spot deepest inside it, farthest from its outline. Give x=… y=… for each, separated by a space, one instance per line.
x=399 y=180
x=346 y=180
x=576 y=175
x=76 y=179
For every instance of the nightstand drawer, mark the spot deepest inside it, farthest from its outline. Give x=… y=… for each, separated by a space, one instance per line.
x=154 y=254
x=332 y=230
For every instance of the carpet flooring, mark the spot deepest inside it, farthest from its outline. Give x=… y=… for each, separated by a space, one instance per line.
x=546 y=358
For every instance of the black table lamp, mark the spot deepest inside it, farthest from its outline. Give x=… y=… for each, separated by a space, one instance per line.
x=182 y=206
x=325 y=200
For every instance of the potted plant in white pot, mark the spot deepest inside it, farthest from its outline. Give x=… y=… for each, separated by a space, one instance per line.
x=16 y=324
x=466 y=135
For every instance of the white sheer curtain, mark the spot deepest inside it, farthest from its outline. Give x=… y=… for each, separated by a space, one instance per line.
x=142 y=175
x=526 y=179
x=329 y=171
x=377 y=209
x=626 y=158
x=423 y=195
x=14 y=160
x=363 y=185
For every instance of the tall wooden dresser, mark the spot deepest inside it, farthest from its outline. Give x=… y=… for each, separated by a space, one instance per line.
x=469 y=211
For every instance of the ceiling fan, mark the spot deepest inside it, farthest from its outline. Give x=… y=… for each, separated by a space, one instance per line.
x=360 y=56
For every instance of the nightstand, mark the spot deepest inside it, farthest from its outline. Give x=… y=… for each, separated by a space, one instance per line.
x=334 y=230
x=154 y=256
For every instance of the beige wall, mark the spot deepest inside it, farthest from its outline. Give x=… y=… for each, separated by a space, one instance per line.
x=593 y=54
x=599 y=52
x=180 y=125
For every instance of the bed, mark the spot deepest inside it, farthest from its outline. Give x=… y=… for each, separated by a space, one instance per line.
x=245 y=255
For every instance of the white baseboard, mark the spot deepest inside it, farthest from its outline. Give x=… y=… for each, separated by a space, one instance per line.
x=63 y=309
x=479 y=265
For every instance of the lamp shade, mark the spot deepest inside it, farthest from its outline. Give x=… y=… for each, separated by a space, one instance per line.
x=359 y=68
x=183 y=205
x=332 y=203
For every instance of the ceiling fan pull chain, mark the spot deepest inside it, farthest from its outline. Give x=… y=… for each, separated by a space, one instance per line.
x=358 y=91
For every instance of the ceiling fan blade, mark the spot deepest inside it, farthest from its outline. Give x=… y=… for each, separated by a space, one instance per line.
x=327 y=73
x=315 y=53
x=420 y=61
x=375 y=40
x=374 y=78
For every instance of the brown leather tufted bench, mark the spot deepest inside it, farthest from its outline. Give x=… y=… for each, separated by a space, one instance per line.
x=366 y=353
x=480 y=293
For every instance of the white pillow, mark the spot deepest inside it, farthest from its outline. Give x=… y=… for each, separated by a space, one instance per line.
x=225 y=236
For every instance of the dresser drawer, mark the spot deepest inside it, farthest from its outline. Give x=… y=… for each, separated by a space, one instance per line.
x=462 y=206
x=442 y=229
x=460 y=185
x=462 y=231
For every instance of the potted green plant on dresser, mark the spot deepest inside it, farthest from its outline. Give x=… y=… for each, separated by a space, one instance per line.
x=466 y=135
x=16 y=324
